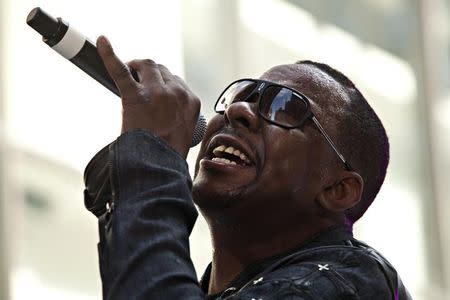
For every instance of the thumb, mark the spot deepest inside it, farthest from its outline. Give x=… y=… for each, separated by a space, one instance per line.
x=118 y=71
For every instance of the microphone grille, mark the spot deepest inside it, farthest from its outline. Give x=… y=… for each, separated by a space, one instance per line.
x=199 y=130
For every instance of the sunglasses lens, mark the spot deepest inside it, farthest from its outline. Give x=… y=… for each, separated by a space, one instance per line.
x=238 y=91
x=282 y=106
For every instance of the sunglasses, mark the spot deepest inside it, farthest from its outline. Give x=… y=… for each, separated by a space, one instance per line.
x=277 y=104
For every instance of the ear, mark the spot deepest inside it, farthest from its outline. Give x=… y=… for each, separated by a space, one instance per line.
x=343 y=194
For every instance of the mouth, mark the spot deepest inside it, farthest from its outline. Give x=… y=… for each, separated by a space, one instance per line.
x=229 y=151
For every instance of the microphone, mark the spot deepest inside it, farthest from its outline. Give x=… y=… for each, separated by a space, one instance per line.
x=75 y=47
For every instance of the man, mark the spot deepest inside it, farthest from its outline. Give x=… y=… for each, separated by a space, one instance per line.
x=287 y=165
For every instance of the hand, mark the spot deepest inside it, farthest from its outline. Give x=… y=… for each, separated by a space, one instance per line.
x=153 y=98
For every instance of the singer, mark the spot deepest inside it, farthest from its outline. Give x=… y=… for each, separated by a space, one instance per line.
x=289 y=162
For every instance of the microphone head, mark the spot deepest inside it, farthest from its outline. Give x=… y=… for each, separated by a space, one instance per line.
x=199 y=131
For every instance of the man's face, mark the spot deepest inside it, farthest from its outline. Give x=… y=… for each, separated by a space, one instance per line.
x=270 y=169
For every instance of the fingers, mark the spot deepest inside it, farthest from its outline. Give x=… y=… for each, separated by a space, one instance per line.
x=147 y=71
x=169 y=78
x=165 y=73
x=118 y=71
x=155 y=75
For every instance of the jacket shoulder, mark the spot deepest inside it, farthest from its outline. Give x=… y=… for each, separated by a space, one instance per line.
x=329 y=272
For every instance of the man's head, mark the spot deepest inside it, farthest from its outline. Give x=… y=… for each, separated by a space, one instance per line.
x=293 y=177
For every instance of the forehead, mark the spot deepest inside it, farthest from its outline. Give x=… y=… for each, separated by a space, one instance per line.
x=318 y=86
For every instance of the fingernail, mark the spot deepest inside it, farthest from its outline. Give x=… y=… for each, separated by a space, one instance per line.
x=105 y=42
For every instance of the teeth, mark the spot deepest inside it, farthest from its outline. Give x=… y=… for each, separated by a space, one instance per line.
x=230 y=150
x=244 y=158
x=223 y=160
x=219 y=149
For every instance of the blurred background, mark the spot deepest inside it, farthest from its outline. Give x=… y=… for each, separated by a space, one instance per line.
x=54 y=118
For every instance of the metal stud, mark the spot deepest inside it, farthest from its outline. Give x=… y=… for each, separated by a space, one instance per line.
x=257 y=280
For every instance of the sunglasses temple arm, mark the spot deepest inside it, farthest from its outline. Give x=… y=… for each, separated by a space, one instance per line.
x=330 y=142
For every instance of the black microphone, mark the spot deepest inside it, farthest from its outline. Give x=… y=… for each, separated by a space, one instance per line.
x=75 y=47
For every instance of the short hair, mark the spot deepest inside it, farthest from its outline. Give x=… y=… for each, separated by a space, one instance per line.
x=361 y=138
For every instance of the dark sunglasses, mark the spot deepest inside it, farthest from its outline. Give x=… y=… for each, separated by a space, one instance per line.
x=277 y=104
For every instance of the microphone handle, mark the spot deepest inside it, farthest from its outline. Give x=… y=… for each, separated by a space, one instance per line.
x=90 y=62
x=75 y=47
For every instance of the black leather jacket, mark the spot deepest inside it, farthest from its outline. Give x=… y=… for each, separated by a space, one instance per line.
x=139 y=187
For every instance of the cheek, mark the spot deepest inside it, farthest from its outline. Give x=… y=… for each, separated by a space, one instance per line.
x=289 y=161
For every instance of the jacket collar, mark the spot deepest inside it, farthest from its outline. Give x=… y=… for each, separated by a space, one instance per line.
x=333 y=235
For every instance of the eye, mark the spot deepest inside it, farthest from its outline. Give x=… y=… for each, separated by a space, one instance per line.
x=282 y=106
x=237 y=92
x=241 y=96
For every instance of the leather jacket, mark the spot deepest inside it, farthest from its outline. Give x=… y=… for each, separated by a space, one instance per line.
x=140 y=189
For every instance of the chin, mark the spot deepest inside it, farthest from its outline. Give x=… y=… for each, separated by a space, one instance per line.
x=213 y=197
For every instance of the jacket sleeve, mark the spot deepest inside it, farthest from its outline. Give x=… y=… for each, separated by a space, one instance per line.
x=144 y=233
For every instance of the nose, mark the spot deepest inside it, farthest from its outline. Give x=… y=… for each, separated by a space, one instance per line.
x=243 y=114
